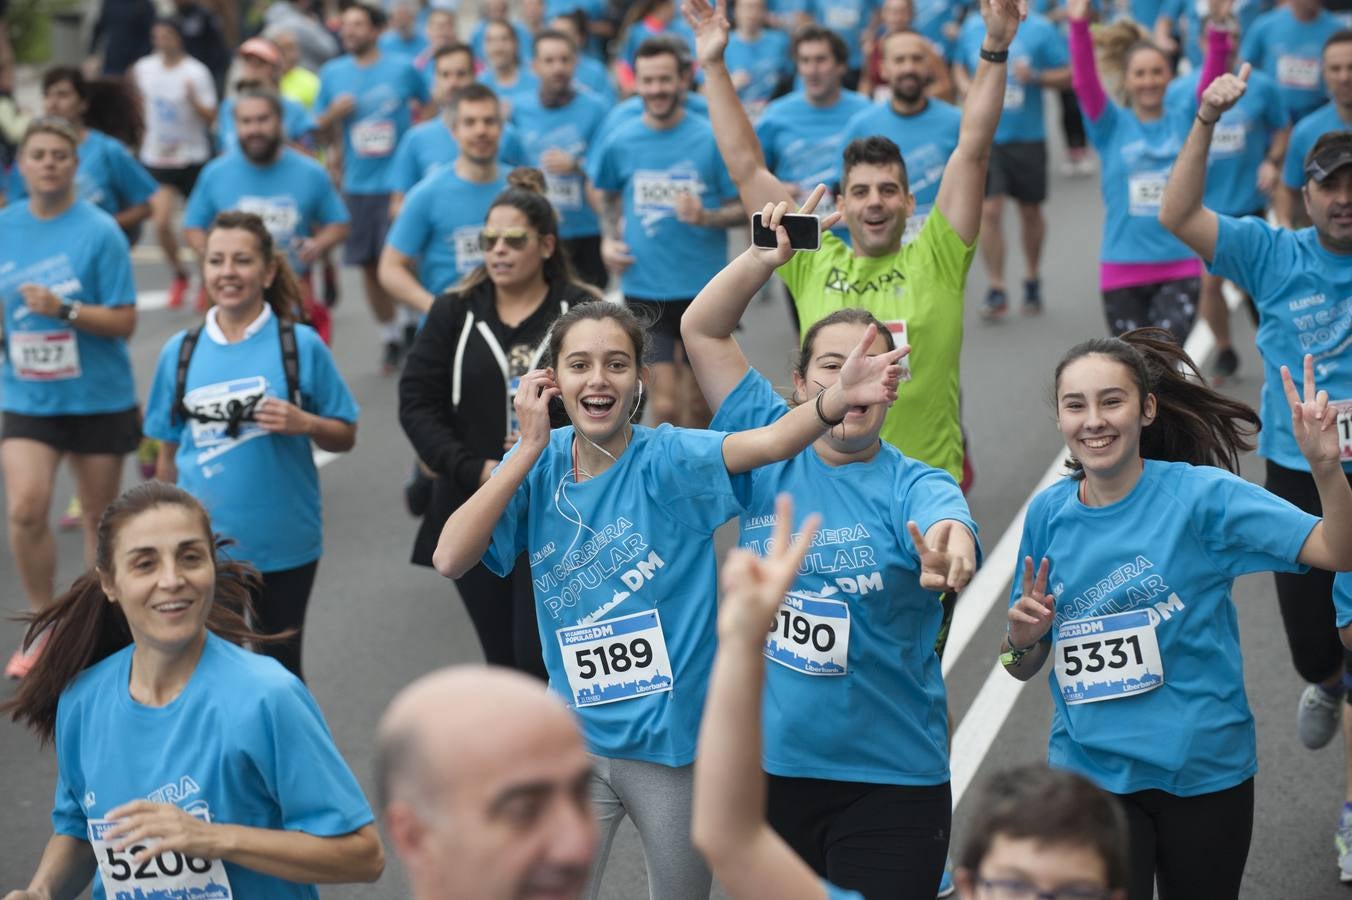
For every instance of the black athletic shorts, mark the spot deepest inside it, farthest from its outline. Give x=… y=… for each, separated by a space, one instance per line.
x=182 y=179
x=1018 y=170
x=114 y=433
x=370 y=214
x=663 y=321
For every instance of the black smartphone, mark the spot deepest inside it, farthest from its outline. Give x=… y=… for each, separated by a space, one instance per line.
x=805 y=232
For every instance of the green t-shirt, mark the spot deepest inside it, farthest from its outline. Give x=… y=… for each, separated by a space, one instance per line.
x=917 y=290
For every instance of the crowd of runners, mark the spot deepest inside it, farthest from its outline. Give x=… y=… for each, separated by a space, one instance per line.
x=540 y=198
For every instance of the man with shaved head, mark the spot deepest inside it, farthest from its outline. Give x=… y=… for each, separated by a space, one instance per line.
x=482 y=779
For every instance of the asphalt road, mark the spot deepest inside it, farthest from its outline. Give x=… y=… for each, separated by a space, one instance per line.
x=376 y=622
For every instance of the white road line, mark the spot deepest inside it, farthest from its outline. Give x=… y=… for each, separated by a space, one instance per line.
x=323 y=457
x=986 y=716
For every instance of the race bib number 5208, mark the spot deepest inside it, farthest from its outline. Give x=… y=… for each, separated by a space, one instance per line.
x=167 y=874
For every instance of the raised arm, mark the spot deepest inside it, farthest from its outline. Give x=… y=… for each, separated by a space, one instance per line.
x=963 y=187
x=1083 y=67
x=728 y=822
x=1314 y=423
x=737 y=141
x=864 y=381
x=468 y=532
x=708 y=325
x=1181 y=209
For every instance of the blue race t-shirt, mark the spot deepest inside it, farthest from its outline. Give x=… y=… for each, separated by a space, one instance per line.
x=293 y=196
x=650 y=168
x=1137 y=158
x=391 y=41
x=297 y=124
x=802 y=143
x=572 y=128
x=430 y=144
x=623 y=563
x=758 y=66
x=1291 y=52
x=835 y=893
x=932 y=18
x=1303 y=135
x=1155 y=569
x=261 y=488
x=1041 y=48
x=51 y=367
x=439 y=225
x=1239 y=142
x=1304 y=297
x=847 y=18
x=383 y=91
x=866 y=701
x=525 y=87
x=926 y=139
x=244 y=743
x=593 y=75
x=108 y=176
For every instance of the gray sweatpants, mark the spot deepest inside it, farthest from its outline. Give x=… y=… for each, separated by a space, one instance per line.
x=658 y=799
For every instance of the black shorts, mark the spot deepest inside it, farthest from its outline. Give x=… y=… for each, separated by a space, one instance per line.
x=370 y=221
x=111 y=434
x=662 y=321
x=1018 y=170
x=585 y=252
x=180 y=179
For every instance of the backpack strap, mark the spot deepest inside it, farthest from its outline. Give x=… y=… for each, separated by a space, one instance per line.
x=286 y=333
x=185 y=351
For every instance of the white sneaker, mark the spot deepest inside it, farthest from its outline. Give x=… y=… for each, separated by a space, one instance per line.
x=1319 y=716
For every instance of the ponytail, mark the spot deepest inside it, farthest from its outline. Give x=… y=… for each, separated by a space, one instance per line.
x=1193 y=423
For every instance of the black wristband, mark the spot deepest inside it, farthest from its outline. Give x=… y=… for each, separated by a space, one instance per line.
x=822 y=416
x=1205 y=122
x=995 y=56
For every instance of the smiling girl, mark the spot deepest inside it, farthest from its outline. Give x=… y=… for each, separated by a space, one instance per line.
x=1131 y=600
x=618 y=520
x=183 y=760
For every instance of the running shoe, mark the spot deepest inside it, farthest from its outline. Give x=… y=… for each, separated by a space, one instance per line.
x=72 y=518
x=1342 y=839
x=1319 y=717
x=147 y=454
x=392 y=355
x=1032 y=298
x=1226 y=364
x=177 y=289
x=995 y=305
x=330 y=283
x=21 y=663
x=946 y=886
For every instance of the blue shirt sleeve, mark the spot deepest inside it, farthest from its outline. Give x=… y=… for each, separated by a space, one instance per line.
x=753 y=403
x=404 y=166
x=68 y=817
x=321 y=385
x=331 y=208
x=686 y=476
x=297 y=760
x=1342 y=599
x=601 y=171
x=116 y=287
x=1247 y=250
x=1293 y=170
x=412 y=229
x=932 y=497
x=1250 y=48
x=131 y=182
x=414 y=84
x=1246 y=528
x=199 y=210
x=158 y=422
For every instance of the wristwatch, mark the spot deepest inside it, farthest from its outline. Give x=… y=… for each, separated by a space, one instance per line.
x=69 y=312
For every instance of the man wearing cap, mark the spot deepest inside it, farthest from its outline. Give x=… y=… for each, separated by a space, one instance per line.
x=483 y=782
x=1301 y=282
x=260 y=66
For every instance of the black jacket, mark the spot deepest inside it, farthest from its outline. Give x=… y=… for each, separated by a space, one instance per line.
x=453 y=397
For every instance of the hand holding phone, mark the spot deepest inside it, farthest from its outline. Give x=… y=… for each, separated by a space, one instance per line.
x=804 y=232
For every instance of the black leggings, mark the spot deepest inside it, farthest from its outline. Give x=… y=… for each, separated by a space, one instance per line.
x=279 y=606
x=886 y=841
x=1306 y=601
x=1171 y=305
x=1072 y=121
x=503 y=613
x=1193 y=846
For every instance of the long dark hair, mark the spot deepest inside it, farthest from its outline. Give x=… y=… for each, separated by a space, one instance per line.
x=525 y=193
x=283 y=295
x=111 y=106
x=1193 y=423
x=84 y=626
x=597 y=311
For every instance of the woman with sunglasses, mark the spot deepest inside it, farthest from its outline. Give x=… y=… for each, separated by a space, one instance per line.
x=455 y=396
x=237 y=411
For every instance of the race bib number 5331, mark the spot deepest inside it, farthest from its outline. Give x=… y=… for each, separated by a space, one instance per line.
x=168 y=874
x=618 y=659
x=1108 y=657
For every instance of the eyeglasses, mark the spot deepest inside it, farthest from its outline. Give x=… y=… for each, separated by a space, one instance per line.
x=516 y=238
x=1014 y=889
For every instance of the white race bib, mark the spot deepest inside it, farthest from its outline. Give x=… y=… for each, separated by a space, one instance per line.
x=810 y=635
x=1344 y=409
x=1145 y=190
x=1227 y=140
x=468 y=253
x=219 y=400
x=564 y=191
x=618 y=659
x=1013 y=95
x=45 y=355
x=1297 y=72
x=373 y=138
x=170 y=874
x=841 y=18
x=1108 y=657
x=657 y=191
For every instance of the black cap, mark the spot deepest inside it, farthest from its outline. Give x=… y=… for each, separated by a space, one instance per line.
x=1330 y=153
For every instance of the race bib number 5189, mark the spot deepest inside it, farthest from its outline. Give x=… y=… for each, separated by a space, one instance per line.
x=618 y=659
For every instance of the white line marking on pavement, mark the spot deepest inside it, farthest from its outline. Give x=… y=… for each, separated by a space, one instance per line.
x=986 y=716
x=152 y=300
x=323 y=457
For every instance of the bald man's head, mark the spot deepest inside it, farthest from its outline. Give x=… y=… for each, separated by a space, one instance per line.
x=483 y=780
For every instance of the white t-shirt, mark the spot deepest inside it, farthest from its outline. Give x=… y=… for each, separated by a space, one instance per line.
x=176 y=136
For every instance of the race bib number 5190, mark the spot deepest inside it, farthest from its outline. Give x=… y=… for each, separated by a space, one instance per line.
x=810 y=635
